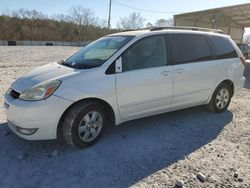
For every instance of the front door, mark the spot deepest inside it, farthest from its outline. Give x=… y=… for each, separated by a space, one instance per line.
x=144 y=86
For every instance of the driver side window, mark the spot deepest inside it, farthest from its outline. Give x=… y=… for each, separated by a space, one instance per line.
x=147 y=53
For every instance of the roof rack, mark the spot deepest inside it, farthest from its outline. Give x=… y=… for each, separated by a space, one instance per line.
x=189 y=28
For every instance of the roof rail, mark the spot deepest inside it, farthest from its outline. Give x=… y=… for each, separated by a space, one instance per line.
x=189 y=28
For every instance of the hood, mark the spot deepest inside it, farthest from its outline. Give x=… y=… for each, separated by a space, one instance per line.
x=47 y=72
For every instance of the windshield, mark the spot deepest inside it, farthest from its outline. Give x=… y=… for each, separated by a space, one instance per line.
x=96 y=53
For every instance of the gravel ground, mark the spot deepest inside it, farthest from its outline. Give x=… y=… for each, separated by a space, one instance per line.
x=156 y=151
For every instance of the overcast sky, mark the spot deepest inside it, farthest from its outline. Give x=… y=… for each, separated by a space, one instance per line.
x=120 y=8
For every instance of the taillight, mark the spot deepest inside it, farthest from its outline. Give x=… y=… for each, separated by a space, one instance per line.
x=243 y=60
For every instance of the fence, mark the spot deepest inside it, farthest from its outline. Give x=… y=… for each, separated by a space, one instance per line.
x=41 y=43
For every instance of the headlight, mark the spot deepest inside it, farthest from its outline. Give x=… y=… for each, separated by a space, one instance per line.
x=40 y=91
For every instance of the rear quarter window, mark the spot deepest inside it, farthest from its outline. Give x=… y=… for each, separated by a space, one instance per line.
x=189 y=48
x=223 y=48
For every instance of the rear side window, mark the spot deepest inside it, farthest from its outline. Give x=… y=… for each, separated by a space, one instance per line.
x=223 y=48
x=188 y=48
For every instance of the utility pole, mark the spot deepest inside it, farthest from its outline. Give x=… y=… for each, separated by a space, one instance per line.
x=109 y=25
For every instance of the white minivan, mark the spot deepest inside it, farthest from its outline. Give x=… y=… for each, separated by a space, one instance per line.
x=125 y=76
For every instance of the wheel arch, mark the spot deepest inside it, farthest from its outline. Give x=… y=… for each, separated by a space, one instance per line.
x=226 y=81
x=108 y=109
x=211 y=102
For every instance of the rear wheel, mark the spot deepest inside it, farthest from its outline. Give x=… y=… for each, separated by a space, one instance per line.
x=84 y=124
x=221 y=98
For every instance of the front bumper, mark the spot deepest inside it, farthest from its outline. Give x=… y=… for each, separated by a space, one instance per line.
x=42 y=116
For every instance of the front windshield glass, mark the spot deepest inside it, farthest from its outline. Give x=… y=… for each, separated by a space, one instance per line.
x=96 y=53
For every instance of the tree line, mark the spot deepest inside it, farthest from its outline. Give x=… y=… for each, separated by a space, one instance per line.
x=80 y=24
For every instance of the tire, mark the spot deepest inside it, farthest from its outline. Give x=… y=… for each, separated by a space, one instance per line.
x=84 y=124
x=219 y=101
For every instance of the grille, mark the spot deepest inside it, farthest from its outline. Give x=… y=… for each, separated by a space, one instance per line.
x=14 y=94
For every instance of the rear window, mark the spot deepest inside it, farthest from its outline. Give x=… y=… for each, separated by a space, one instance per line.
x=223 y=48
x=188 y=48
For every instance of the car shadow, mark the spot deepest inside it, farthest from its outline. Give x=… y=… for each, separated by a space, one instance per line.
x=124 y=155
x=247 y=76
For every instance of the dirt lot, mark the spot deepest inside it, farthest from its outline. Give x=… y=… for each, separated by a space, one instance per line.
x=150 y=152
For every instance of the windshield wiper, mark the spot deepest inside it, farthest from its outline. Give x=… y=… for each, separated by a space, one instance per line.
x=89 y=63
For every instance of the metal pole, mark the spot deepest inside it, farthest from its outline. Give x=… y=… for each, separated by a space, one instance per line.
x=109 y=25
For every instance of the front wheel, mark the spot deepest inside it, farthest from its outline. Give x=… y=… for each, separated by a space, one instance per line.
x=221 y=98
x=84 y=124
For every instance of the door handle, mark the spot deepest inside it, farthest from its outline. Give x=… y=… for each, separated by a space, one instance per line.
x=179 y=70
x=165 y=73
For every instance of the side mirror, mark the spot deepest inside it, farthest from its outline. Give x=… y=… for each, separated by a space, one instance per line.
x=118 y=65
